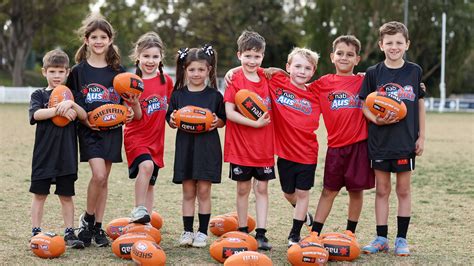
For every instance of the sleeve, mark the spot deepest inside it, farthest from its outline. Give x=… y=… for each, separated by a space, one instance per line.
x=278 y=80
x=315 y=88
x=172 y=105
x=220 y=110
x=421 y=92
x=36 y=103
x=367 y=85
x=229 y=94
x=73 y=83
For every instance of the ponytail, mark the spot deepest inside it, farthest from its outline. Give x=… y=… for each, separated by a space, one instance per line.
x=181 y=67
x=113 y=57
x=162 y=75
x=212 y=61
x=81 y=54
x=138 y=71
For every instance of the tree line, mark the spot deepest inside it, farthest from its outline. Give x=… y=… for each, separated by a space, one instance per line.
x=36 y=26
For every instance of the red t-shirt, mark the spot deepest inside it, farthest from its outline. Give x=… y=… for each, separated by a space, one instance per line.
x=147 y=135
x=341 y=108
x=248 y=146
x=296 y=114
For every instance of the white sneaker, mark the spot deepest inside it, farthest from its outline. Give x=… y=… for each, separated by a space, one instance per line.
x=140 y=215
x=200 y=240
x=186 y=239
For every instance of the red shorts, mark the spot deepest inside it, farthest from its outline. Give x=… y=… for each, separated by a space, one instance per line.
x=349 y=167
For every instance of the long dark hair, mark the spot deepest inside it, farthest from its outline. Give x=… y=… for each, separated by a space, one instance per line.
x=186 y=56
x=146 y=41
x=90 y=24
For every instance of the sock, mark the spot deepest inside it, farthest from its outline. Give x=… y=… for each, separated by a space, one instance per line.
x=89 y=218
x=35 y=231
x=296 y=229
x=188 y=223
x=317 y=227
x=403 y=223
x=98 y=225
x=204 y=222
x=244 y=229
x=351 y=226
x=68 y=230
x=260 y=232
x=382 y=230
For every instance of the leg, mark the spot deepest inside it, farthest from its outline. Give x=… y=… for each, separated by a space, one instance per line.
x=243 y=192
x=37 y=208
x=145 y=171
x=102 y=199
x=356 y=200
x=189 y=199
x=97 y=183
x=67 y=210
x=325 y=205
x=302 y=202
x=382 y=190
x=150 y=197
x=260 y=189
x=291 y=198
x=204 y=213
x=404 y=212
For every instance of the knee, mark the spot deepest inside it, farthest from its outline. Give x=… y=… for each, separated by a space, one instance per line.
x=329 y=194
x=243 y=190
x=383 y=191
x=290 y=197
x=100 y=179
x=403 y=192
x=302 y=194
x=261 y=189
x=189 y=196
x=147 y=168
x=65 y=199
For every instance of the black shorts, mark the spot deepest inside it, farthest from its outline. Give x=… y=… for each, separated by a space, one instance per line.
x=64 y=185
x=106 y=145
x=133 y=169
x=295 y=175
x=245 y=173
x=394 y=165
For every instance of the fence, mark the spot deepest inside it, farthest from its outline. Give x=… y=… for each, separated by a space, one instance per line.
x=22 y=95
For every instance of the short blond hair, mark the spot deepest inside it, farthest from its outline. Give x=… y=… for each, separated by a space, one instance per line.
x=311 y=56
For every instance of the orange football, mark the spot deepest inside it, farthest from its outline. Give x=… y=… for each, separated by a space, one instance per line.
x=221 y=224
x=59 y=94
x=193 y=119
x=47 y=245
x=147 y=253
x=122 y=246
x=248 y=258
x=251 y=223
x=341 y=246
x=128 y=82
x=108 y=116
x=145 y=229
x=156 y=220
x=244 y=236
x=115 y=227
x=380 y=103
x=223 y=248
x=250 y=104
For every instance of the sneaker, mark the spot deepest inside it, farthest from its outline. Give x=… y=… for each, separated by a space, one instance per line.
x=140 y=215
x=72 y=241
x=186 y=238
x=263 y=243
x=293 y=239
x=379 y=244
x=85 y=231
x=401 y=247
x=100 y=237
x=200 y=240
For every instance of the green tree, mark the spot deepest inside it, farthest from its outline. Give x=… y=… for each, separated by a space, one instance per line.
x=21 y=21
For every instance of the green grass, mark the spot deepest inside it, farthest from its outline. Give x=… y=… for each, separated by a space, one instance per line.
x=442 y=195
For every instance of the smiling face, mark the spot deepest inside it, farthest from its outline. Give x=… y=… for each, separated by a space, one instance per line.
x=98 y=42
x=394 y=47
x=250 y=60
x=55 y=76
x=300 y=69
x=149 y=61
x=197 y=73
x=345 y=58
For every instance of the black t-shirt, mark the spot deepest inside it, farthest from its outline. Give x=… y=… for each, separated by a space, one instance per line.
x=197 y=156
x=93 y=87
x=395 y=141
x=55 y=149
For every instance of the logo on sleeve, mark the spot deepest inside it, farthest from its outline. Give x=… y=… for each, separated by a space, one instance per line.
x=290 y=100
x=343 y=99
x=154 y=103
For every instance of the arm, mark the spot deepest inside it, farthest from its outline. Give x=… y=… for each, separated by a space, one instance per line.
x=269 y=72
x=216 y=123
x=45 y=113
x=388 y=119
x=238 y=118
x=420 y=142
x=229 y=74
x=64 y=107
x=132 y=101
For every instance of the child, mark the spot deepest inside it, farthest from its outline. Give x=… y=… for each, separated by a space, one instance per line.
x=296 y=113
x=393 y=144
x=347 y=162
x=249 y=144
x=98 y=62
x=198 y=157
x=144 y=138
x=55 y=150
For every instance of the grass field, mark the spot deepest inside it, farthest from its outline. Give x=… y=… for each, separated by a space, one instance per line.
x=442 y=197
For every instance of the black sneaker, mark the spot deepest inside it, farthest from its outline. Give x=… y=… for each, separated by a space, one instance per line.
x=86 y=231
x=100 y=238
x=293 y=239
x=263 y=243
x=72 y=241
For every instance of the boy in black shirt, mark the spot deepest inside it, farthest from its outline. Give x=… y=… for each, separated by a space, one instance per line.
x=393 y=144
x=55 y=150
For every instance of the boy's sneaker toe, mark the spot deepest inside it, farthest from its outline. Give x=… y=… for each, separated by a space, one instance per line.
x=379 y=244
x=401 y=247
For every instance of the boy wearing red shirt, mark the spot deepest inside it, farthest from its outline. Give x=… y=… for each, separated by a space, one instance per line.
x=347 y=162
x=296 y=117
x=248 y=143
